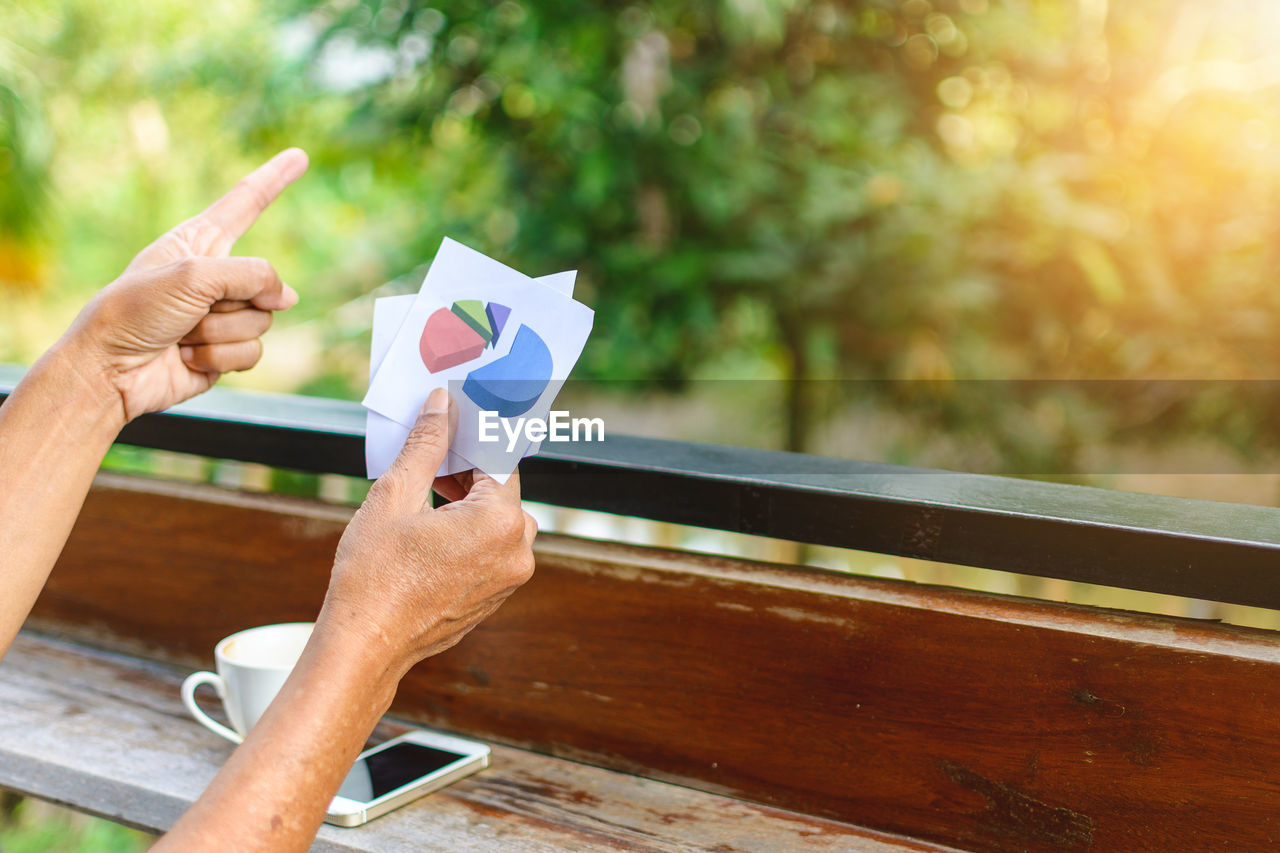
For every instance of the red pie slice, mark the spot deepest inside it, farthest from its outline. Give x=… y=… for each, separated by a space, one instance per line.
x=448 y=341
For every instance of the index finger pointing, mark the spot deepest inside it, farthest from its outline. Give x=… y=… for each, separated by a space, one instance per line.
x=232 y=214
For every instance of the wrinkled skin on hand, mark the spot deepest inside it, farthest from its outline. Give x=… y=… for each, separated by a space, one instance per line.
x=184 y=312
x=417 y=578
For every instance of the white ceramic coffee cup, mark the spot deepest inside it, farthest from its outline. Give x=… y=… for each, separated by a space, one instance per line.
x=252 y=667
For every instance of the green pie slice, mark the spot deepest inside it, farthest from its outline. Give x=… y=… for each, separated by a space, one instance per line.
x=471 y=312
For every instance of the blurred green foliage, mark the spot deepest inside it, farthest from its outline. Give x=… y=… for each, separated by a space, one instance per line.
x=24 y=159
x=908 y=191
x=29 y=826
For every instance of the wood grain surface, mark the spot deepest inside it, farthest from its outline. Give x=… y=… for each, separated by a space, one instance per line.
x=108 y=734
x=966 y=719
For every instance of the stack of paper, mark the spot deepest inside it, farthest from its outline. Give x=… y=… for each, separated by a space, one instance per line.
x=501 y=342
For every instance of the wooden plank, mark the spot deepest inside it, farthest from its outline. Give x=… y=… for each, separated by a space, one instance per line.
x=108 y=734
x=1175 y=546
x=984 y=722
x=1199 y=549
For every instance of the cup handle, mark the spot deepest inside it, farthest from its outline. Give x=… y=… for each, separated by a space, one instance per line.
x=189 y=686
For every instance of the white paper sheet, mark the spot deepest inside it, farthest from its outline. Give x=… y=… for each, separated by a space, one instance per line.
x=400 y=380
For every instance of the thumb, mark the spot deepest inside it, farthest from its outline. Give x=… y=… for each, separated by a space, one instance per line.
x=425 y=448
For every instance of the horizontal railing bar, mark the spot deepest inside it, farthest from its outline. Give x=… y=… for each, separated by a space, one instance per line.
x=1179 y=546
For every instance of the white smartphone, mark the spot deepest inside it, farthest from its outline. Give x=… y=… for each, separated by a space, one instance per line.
x=401 y=770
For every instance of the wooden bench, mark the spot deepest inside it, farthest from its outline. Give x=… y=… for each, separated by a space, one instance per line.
x=656 y=700
x=105 y=733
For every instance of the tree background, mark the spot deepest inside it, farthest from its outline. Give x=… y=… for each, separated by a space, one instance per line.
x=1023 y=236
x=863 y=212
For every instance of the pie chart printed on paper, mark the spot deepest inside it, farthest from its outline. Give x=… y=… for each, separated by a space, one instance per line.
x=509 y=385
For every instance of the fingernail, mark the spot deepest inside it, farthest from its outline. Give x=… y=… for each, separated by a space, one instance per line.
x=298 y=162
x=288 y=297
x=437 y=402
x=185 y=354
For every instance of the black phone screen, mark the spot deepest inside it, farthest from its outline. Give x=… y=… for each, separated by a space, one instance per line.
x=383 y=772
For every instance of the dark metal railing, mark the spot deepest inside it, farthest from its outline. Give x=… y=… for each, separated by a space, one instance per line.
x=1194 y=548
